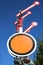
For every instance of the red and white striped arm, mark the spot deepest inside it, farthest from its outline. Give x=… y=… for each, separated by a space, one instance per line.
x=15 y=22
x=31 y=26
x=28 y=13
x=31 y=6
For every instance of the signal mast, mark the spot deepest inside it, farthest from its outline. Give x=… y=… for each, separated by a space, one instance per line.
x=22 y=48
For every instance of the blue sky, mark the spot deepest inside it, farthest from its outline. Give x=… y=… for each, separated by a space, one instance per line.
x=8 y=11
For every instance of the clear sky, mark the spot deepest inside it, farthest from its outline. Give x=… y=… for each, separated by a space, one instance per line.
x=8 y=11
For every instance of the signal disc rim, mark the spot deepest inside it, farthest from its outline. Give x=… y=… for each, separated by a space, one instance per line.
x=13 y=53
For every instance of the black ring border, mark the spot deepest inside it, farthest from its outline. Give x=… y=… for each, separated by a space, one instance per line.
x=21 y=53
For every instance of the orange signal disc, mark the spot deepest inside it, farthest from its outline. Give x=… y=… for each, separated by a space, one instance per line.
x=21 y=44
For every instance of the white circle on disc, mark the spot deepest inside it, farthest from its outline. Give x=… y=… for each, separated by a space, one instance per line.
x=14 y=54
